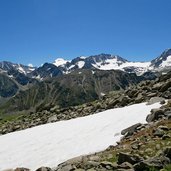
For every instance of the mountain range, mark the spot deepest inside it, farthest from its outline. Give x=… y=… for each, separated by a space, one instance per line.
x=101 y=62
x=67 y=83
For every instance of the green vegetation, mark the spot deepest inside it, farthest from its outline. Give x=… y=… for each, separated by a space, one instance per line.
x=67 y=90
x=167 y=168
x=113 y=159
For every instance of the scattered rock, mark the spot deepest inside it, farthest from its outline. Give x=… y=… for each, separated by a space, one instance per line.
x=94 y=158
x=165 y=86
x=108 y=165
x=52 y=119
x=139 y=98
x=152 y=163
x=155 y=100
x=155 y=115
x=69 y=167
x=164 y=137
x=164 y=128
x=130 y=130
x=91 y=169
x=169 y=116
x=151 y=95
x=167 y=152
x=159 y=132
x=44 y=169
x=158 y=146
x=22 y=169
x=91 y=164
x=125 y=165
x=125 y=157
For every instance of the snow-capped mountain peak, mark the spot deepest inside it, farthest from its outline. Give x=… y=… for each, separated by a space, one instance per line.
x=113 y=62
x=83 y=57
x=163 y=61
x=108 y=62
x=9 y=66
x=102 y=62
x=60 y=62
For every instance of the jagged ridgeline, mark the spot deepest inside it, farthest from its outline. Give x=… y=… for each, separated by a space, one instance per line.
x=68 y=90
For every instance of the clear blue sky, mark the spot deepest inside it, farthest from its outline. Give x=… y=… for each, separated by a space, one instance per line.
x=38 y=31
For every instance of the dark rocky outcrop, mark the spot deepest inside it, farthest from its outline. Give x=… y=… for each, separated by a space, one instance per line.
x=155 y=115
x=22 y=169
x=44 y=169
x=152 y=163
x=125 y=157
x=130 y=130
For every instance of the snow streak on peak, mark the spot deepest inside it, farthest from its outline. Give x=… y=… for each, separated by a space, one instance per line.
x=24 y=69
x=30 y=65
x=60 y=62
x=82 y=57
x=21 y=69
x=9 y=66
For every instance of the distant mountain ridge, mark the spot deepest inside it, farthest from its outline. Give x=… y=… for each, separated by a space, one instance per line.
x=21 y=77
x=6 y=66
x=115 y=62
x=102 y=62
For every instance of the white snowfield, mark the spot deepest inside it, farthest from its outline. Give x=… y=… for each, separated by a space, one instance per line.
x=51 y=144
x=117 y=65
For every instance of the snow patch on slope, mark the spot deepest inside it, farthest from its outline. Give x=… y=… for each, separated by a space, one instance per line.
x=137 y=64
x=166 y=63
x=51 y=144
x=108 y=64
x=80 y=64
x=21 y=70
x=118 y=65
x=24 y=69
